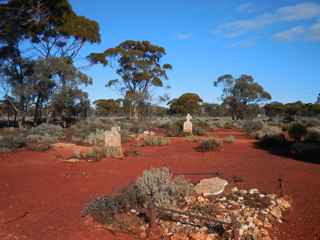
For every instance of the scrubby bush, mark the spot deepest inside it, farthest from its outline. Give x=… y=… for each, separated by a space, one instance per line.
x=267 y=131
x=174 y=129
x=95 y=138
x=229 y=139
x=210 y=144
x=47 y=130
x=313 y=135
x=99 y=153
x=297 y=131
x=252 y=126
x=306 y=150
x=82 y=129
x=272 y=141
x=11 y=142
x=156 y=141
x=157 y=186
x=39 y=142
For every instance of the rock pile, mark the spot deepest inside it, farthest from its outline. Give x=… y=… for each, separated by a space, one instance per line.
x=246 y=214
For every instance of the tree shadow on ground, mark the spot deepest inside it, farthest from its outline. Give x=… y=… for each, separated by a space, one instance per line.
x=302 y=151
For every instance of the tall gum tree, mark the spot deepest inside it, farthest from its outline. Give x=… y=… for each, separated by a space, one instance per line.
x=138 y=65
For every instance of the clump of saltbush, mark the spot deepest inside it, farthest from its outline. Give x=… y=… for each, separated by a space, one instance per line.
x=313 y=135
x=229 y=139
x=99 y=153
x=10 y=142
x=155 y=141
x=210 y=144
x=155 y=188
x=173 y=129
x=47 y=130
x=39 y=142
x=253 y=126
x=297 y=131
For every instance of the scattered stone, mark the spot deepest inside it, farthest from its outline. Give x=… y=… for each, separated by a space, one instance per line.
x=72 y=160
x=211 y=186
x=276 y=212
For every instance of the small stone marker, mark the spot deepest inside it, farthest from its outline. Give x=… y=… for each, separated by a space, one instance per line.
x=112 y=139
x=211 y=186
x=187 y=126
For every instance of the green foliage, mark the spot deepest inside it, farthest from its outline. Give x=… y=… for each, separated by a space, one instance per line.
x=306 y=150
x=313 y=135
x=39 y=142
x=82 y=129
x=252 y=126
x=272 y=141
x=156 y=141
x=47 y=130
x=106 y=107
x=211 y=144
x=158 y=187
x=240 y=93
x=138 y=65
x=174 y=128
x=12 y=141
x=297 y=131
x=99 y=153
x=186 y=103
x=229 y=139
x=155 y=187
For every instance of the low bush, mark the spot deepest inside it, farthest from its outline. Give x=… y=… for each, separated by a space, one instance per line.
x=210 y=144
x=229 y=139
x=297 y=131
x=155 y=187
x=313 y=135
x=155 y=141
x=252 y=126
x=99 y=153
x=158 y=187
x=272 y=141
x=39 y=142
x=47 y=130
x=95 y=138
x=11 y=142
x=306 y=150
x=173 y=129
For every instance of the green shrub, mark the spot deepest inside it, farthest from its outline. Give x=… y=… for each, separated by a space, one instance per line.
x=210 y=144
x=306 y=150
x=95 y=138
x=39 y=142
x=99 y=153
x=229 y=139
x=174 y=129
x=47 y=130
x=297 y=131
x=313 y=135
x=11 y=142
x=252 y=126
x=157 y=186
x=156 y=141
x=270 y=141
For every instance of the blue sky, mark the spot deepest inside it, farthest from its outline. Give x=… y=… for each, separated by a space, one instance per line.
x=275 y=41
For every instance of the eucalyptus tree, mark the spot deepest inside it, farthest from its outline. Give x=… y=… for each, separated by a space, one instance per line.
x=138 y=65
x=241 y=93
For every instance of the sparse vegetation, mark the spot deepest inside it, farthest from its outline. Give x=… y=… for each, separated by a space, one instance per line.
x=297 y=131
x=155 y=141
x=229 y=139
x=211 y=144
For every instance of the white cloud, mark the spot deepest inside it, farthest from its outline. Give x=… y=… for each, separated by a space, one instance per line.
x=314 y=31
x=246 y=7
x=184 y=36
x=298 y=12
x=290 y=34
x=243 y=44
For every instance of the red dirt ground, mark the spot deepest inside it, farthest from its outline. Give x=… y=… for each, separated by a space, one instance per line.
x=41 y=196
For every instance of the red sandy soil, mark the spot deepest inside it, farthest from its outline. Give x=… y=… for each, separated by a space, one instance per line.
x=41 y=196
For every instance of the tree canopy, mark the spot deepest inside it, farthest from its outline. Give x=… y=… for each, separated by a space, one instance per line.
x=239 y=93
x=186 y=103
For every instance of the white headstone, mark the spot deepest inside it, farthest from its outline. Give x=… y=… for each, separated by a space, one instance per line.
x=113 y=139
x=187 y=126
